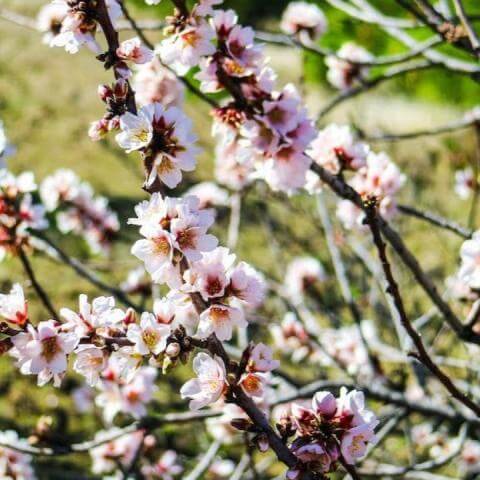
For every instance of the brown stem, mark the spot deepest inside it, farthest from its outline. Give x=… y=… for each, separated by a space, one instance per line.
x=42 y=294
x=421 y=354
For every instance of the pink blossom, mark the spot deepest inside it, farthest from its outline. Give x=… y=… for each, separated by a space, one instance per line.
x=101 y=313
x=164 y=135
x=13 y=463
x=155 y=83
x=164 y=469
x=134 y=51
x=248 y=285
x=304 y=18
x=335 y=148
x=13 y=306
x=210 y=383
x=469 y=271
x=210 y=275
x=183 y=50
x=464 y=183
x=261 y=359
x=150 y=337
x=342 y=74
x=43 y=351
x=303 y=273
x=90 y=362
x=220 y=320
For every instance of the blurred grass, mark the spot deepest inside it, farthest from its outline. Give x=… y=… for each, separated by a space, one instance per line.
x=47 y=99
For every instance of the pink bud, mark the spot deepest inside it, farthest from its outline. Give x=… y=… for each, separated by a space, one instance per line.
x=173 y=350
x=324 y=403
x=120 y=89
x=104 y=92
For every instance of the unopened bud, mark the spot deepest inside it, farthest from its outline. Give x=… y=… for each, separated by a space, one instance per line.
x=120 y=89
x=173 y=350
x=130 y=317
x=104 y=92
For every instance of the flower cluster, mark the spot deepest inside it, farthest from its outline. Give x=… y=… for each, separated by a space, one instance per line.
x=264 y=132
x=329 y=431
x=381 y=179
x=78 y=210
x=211 y=382
x=18 y=212
x=173 y=229
x=72 y=24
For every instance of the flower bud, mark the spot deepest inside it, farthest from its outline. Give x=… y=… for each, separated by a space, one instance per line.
x=130 y=317
x=120 y=89
x=324 y=404
x=104 y=92
x=173 y=350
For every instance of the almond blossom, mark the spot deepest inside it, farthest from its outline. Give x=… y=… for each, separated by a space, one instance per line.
x=185 y=47
x=153 y=83
x=210 y=383
x=170 y=226
x=100 y=313
x=220 y=319
x=316 y=447
x=18 y=212
x=13 y=306
x=78 y=210
x=50 y=18
x=469 y=271
x=305 y=19
x=165 y=137
x=150 y=337
x=209 y=195
x=90 y=362
x=13 y=463
x=335 y=148
x=303 y=273
x=43 y=351
x=78 y=27
x=345 y=68
x=379 y=178
x=166 y=467
x=134 y=51
x=464 y=183
x=107 y=455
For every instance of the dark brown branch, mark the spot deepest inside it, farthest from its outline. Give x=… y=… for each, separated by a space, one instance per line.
x=83 y=272
x=368 y=84
x=421 y=354
x=436 y=220
x=346 y=192
x=42 y=294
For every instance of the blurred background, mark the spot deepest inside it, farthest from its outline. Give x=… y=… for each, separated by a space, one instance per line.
x=48 y=99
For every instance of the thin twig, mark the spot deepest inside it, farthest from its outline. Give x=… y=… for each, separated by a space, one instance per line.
x=436 y=220
x=421 y=354
x=42 y=294
x=83 y=272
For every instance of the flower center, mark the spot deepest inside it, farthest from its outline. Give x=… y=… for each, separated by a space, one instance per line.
x=50 y=348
